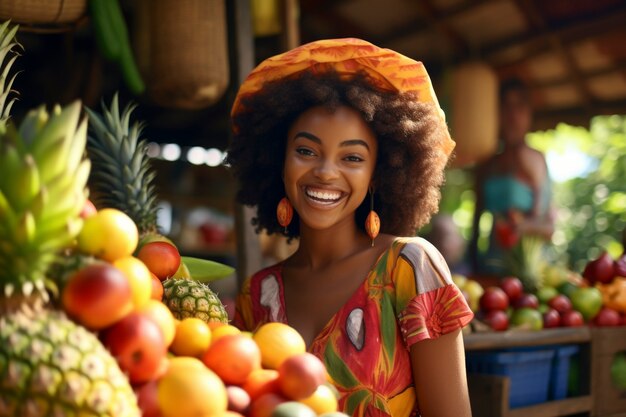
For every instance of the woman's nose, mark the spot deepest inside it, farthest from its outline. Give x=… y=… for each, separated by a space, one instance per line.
x=326 y=170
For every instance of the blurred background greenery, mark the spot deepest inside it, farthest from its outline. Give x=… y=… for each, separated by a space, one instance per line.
x=588 y=170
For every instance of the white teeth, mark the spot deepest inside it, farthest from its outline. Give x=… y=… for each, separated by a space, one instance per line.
x=323 y=195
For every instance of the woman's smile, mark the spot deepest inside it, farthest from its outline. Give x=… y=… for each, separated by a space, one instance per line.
x=323 y=196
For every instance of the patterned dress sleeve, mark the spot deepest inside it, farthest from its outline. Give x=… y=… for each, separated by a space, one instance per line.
x=428 y=303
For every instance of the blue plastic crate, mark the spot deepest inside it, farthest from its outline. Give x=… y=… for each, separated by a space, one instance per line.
x=528 y=370
x=559 y=373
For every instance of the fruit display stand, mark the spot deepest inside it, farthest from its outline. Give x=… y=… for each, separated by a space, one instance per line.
x=596 y=397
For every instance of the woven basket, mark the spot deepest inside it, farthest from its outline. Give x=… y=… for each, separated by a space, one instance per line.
x=42 y=12
x=188 y=52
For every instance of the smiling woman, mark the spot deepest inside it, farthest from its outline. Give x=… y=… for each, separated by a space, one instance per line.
x=338 y=130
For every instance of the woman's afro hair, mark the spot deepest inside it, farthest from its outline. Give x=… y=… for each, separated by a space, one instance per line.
x=410 y=162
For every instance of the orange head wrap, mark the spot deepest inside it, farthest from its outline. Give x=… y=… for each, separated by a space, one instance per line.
x=386 y=70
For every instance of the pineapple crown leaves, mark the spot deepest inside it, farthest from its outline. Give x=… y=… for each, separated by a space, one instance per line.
x=43 y=177
x=7 y=43
x=122 y=177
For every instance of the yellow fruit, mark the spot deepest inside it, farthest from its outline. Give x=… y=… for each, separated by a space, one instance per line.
x=139 y=277
x=322 y=401
x=190 y=389
x=109 y=234
x=161 y=315
x=192 y=338
x=224 y=330
x=277 y=342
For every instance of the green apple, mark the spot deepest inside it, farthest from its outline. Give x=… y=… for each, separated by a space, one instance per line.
x=527 y=318
x=587 y=300
x=474 y=290
x=567 y=288
x=545 y=294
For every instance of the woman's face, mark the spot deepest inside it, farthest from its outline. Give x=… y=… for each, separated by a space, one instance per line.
x=515 y=117
x=329 y=163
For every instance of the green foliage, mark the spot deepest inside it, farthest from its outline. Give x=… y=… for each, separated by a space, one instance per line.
x=592 y=208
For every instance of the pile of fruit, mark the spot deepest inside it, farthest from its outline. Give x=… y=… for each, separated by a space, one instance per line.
x=175 y=365
x=564 y=299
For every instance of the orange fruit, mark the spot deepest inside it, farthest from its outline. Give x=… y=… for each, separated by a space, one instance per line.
x=232 y=358
x=157 y=288
x=224 y=330
x=277 y=342
x=109 y=234
x=322 y=401
x=139 y=278
x=190 y=389
x=261 y=381
x=192 y=338
x=162 y=316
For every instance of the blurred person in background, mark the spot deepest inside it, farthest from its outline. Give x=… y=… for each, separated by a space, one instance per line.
x=513 y=185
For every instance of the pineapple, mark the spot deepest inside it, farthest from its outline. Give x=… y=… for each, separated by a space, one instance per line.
x=49 y=366
x=188 y=298
x=122 y=178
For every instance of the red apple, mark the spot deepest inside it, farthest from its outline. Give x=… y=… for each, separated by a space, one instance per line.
x=607 y=317
x=137 y=344
x=572 y=318
x=498 y=320
x=600 y=270
x=560 y=303
x=526 y=301
x=551 y=318
x=88 y=209
x=147 y=399
x=513 y=288
x=161 y=258
x=619 y=266
x=494 y=299
x=265 y=404
x=300 y=375
x=97 y=296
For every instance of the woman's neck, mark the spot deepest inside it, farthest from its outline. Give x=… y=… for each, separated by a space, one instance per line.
x=320 y=248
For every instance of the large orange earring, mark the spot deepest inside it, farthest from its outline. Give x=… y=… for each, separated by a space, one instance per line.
x=284 y=212
x=372 y=222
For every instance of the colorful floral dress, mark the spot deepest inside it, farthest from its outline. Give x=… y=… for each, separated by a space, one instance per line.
x=407 y=297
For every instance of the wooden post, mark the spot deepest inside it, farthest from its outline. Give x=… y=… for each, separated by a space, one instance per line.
x=241 y=55
x=291 y=24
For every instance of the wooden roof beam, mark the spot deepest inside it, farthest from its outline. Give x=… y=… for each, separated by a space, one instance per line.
x=537 y=21
x=534 y=41
x=434 y=19
x=617 y=66
x=442 y=17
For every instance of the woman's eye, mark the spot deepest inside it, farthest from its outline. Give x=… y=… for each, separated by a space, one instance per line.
x=353 y=158
x=305 y=151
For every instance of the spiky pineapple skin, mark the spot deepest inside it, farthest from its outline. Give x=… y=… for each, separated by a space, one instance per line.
x=188 y=298
x=49 y=366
